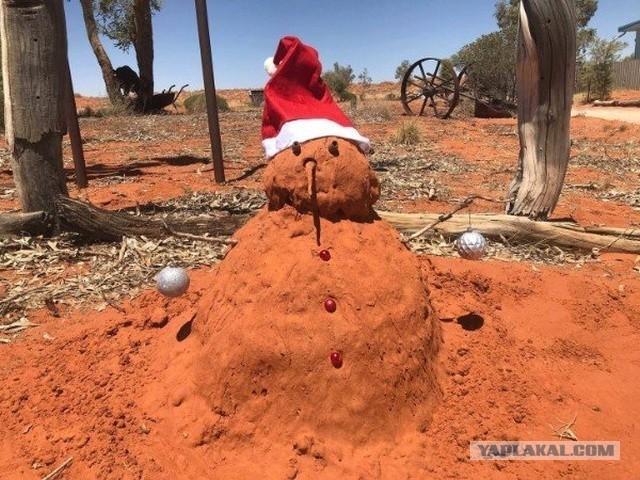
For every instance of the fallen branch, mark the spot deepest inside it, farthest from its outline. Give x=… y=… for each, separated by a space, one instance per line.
x=446 y=216
x=442 y=218
x=523 y=230
x=101 y=224
x=58 y=471
x=81 y=217
x=201 y=238
x=616 y=103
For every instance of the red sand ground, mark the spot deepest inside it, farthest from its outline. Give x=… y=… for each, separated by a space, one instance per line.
x=547 y=344
x=525 y=349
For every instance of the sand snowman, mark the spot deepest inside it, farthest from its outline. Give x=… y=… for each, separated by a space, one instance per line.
x=318 y=321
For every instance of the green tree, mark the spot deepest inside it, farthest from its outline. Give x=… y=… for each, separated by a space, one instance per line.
x=339 y=81
x=506 y=14
x=492 y=57
x=491 y=60
x=598 y=69
x=365 y=81
x=116 y=19
x=402 y=69
x=127 y=23
x=364 y=77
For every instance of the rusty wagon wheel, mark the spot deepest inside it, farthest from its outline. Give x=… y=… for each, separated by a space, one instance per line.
x=430 y=86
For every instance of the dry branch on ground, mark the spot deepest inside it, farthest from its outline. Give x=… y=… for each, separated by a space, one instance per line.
x=564 y=233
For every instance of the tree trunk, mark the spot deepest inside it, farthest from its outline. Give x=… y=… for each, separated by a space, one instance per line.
x=33 y=223
x=98 y=224
x=34 y=49
x=113 y=89
x=143 y=44
x=545 y=77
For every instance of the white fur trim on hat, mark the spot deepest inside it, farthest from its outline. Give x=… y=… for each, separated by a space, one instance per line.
x=308 y=129
x=269 y=66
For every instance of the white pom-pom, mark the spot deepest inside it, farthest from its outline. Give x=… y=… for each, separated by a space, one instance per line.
x=172 y=281
x=269 y=66
x=471 y=245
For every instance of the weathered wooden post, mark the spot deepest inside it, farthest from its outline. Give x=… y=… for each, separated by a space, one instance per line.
x=73 y=128
x=210 y=90
x=34 y=49
x=545 y=77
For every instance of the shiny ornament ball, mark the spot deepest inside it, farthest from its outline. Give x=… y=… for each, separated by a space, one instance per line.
x=172 y=281
x=330 y=305
x=471 y=245
x=336 y=359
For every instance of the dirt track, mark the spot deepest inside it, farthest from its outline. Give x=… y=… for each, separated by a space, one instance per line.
x=624 y=114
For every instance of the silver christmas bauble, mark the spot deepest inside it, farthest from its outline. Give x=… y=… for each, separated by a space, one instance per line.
x=471 y=245
x=172 y=281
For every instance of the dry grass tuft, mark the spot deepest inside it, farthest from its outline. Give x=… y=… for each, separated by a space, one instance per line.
x=407 y=134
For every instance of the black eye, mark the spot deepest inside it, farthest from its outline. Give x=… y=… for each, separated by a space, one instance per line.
x=296 y=148
x=333 y=149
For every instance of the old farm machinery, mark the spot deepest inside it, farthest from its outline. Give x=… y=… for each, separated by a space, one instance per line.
x=433 y=86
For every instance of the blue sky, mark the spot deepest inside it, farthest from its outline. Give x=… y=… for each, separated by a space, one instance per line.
x=372 y=34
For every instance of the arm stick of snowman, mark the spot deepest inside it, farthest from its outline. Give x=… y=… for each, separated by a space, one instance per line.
x=228 y=241
x=446 y=216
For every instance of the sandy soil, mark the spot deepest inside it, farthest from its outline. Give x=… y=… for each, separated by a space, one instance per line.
x=625 y=114
x=526 y=345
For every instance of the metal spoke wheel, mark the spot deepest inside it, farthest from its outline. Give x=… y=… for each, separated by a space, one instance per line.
x=430 y=87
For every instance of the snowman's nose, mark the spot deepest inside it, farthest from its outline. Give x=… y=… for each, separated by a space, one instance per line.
x=310 y=168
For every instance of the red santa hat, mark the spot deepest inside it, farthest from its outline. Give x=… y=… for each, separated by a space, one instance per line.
x=298 y=104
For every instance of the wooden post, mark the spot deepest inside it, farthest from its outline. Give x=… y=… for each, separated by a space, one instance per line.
x=73 y=128
x=143 y=43
x=210 y=90
x=33 y=61
x=545 y=78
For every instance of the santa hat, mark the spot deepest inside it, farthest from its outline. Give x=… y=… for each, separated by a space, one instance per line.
x=298 y=104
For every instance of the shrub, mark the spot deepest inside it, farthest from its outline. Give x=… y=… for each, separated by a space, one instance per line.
x=352 y=98
x=197 y=103
x=365 y=81
x=492 y=65
x=339 y=80
x=87 y=112
x=407 y=134
x=114 y=110
x=402 y=69
x=374 y=112
x=597 y=72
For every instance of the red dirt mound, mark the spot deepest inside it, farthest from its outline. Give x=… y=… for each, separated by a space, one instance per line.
x=314 y=336
x=265 y=337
